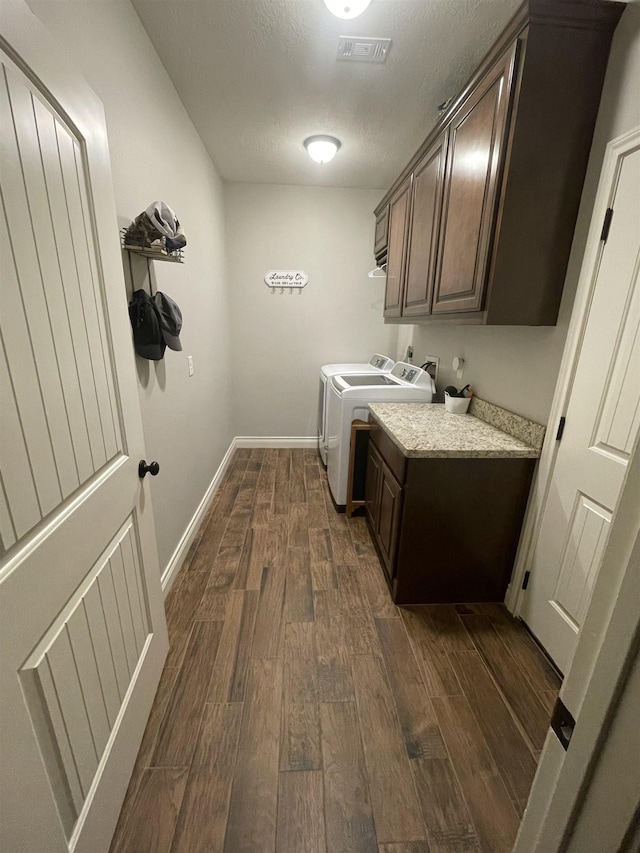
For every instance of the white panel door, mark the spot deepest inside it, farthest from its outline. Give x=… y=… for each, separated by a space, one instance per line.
x=82 y=630
x=601 y=433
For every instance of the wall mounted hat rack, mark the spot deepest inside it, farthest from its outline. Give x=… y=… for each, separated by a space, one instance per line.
x=176 y=257
x=133 y=277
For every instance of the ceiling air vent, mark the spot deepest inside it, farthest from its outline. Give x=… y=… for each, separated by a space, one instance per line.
x=362 y=49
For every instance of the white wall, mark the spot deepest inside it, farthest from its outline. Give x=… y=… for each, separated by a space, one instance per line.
x=517 y=367
x=157 y=154
x=280 y=341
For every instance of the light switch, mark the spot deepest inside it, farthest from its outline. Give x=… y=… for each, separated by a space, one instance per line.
x=190 y=363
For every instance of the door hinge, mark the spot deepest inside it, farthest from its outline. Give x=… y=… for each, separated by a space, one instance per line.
x=563 y=421
x=562 y=723
x=606 y=225
x=525 y=580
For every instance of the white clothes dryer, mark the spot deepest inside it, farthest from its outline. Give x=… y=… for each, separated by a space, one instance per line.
x=349 y=396
x=376 y=364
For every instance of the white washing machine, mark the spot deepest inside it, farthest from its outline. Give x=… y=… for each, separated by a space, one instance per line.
x=376 y=364
x=348 y=397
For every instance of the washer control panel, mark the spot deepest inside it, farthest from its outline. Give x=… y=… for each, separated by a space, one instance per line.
x=382 y=362
x=412 y=374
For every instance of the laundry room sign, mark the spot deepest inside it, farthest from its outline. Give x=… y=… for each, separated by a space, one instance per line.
x=291 y=279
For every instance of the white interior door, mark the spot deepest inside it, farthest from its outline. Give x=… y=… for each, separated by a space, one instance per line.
x=601 y=432
x=82 y=630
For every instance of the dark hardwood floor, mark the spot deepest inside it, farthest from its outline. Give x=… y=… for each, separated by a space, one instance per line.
x=300 y=711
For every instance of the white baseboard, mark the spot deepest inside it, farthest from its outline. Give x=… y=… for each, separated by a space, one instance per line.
x=305 y=441
x=177 y=558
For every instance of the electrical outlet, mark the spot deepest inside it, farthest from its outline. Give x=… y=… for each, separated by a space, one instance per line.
x=190 y=363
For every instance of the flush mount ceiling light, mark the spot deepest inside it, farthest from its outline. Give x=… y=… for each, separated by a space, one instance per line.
x=322 y=148
x=346 y=8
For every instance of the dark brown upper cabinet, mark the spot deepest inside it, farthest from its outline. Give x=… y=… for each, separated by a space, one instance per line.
x=396 y=253
x=424 y=228
x=515 y=144
x=381 y=238
x=476 y=137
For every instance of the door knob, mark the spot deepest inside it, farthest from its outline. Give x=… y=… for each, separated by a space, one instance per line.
x=143 y=468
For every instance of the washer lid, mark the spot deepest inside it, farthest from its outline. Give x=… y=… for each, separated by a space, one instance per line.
x=368 y=379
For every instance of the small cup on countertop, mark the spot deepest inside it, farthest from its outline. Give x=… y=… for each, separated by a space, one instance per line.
x=456 y=405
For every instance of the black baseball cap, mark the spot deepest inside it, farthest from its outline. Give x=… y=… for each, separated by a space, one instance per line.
x=145 y=321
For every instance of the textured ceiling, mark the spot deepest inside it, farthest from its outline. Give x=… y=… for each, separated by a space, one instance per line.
x=259 y=76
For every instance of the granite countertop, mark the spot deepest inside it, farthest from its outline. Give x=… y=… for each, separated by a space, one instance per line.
x=423 y=430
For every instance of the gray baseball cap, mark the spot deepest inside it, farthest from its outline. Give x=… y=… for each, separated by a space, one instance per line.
x=170 y=320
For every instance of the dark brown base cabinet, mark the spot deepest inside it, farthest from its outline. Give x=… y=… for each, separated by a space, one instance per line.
x=481 y=220
x=446 y=530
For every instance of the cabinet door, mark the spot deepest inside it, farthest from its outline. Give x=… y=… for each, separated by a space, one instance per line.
x=389 y=511
x=477 y=138
x=381 y=235
x=398 y=216
x=422 y=244
x=372 y=487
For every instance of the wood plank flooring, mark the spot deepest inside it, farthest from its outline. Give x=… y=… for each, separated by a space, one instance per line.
x=300 y=711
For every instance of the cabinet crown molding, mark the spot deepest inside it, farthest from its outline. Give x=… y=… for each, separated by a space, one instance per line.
x=602 y=15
